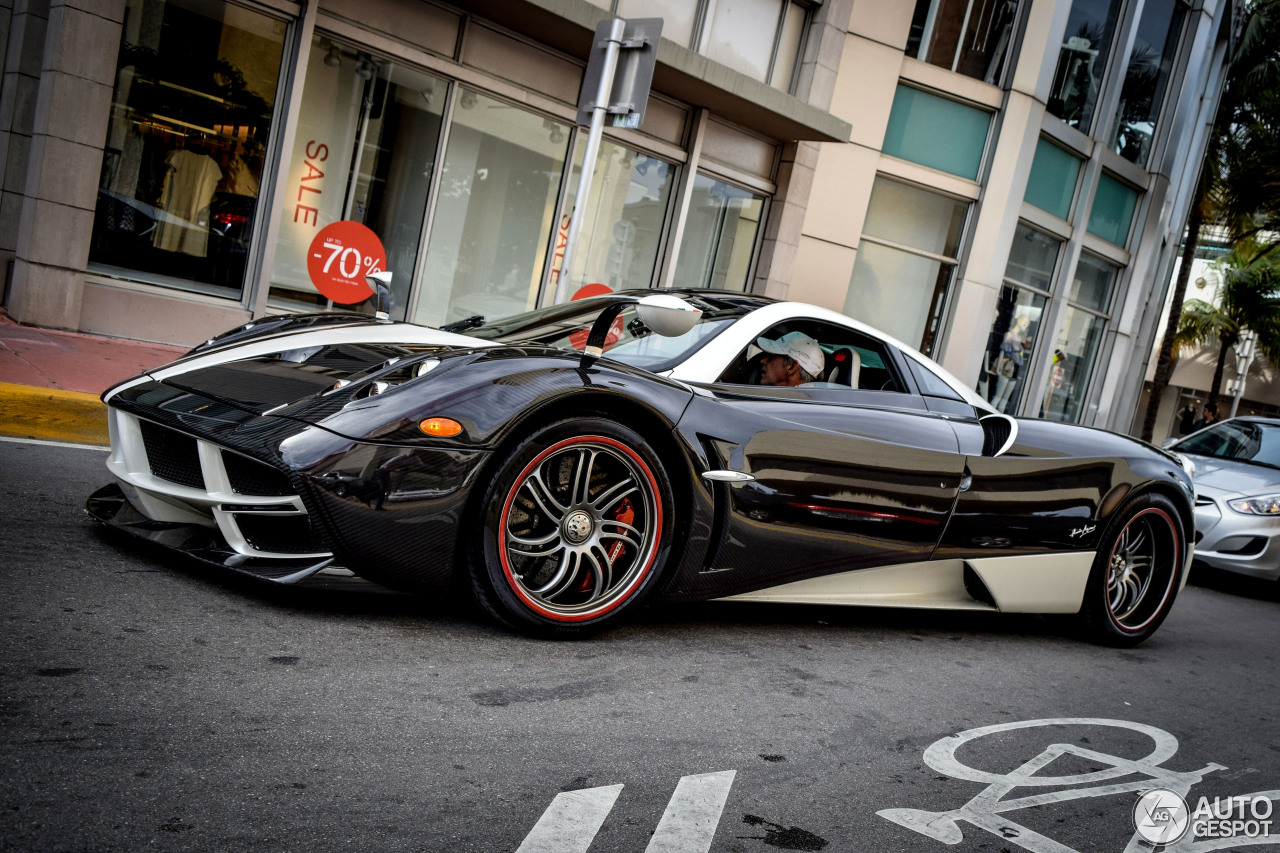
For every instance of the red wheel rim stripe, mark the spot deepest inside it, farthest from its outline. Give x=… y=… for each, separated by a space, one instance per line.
x=640 y=576
x=1173 y=578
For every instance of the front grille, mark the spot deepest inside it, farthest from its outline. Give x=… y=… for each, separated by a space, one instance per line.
x=278 y=535
x=172 y=455
x=254 y=478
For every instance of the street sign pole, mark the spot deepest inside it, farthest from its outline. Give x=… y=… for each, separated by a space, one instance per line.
x=1244 y=358
x=639 y=38
x=601 y=107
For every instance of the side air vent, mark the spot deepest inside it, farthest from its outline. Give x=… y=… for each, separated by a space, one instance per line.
x=172 y=455
x=253 y=478
x=999 y=432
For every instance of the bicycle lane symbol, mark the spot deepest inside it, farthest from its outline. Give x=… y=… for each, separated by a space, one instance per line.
x=988 y=809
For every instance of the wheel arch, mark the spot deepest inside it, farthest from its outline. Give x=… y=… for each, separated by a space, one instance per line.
x=584 y=403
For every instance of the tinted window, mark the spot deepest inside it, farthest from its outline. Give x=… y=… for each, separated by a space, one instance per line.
x=1243 y=441
x=931 y=385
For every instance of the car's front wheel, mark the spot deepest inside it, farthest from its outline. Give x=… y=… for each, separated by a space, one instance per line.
x=1136 y=574
x=576 y=527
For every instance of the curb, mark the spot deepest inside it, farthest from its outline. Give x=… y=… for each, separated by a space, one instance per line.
x=52 y=414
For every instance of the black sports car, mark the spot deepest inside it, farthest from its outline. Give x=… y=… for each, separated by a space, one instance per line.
x=566 y=487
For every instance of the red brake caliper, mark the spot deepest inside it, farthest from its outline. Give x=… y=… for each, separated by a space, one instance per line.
x=626 y=514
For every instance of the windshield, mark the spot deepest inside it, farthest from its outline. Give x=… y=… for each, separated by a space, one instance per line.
x=629 y=340
x=1244 y=441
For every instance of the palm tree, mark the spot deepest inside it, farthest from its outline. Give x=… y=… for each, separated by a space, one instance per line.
x=1249 y=298
x=1239 y=183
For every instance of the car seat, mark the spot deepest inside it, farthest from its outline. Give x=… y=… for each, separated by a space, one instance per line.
x=846 y=364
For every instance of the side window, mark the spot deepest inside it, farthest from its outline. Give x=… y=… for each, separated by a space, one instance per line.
x=850 y=359
x=931 y=384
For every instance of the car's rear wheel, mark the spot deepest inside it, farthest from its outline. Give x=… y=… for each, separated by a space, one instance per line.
x=1136 y=574
x=576 y=528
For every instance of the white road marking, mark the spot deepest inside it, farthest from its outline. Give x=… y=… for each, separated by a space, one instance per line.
x=571 y=822
x=689 y=823
x=74 y=444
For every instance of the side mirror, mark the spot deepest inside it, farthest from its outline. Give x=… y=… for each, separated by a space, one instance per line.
x=667 y=315
x=380 y=282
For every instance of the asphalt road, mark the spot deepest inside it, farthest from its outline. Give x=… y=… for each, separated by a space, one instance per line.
x=149 y=704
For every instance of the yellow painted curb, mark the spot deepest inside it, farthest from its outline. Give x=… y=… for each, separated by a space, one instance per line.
x=49 y=413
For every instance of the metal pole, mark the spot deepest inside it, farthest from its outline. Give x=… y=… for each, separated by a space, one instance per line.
x=1244 y=358
x=612 y=48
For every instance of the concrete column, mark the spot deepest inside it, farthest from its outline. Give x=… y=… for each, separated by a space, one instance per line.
x=72 y=105
x=25 y=25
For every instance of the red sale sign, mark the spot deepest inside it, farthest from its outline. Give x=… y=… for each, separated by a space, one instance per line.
x=339 y=258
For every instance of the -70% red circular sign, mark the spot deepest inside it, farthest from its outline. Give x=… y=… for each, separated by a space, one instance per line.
x=339 y=258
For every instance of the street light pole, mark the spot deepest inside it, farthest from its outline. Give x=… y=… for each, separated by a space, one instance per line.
x=1244 y=357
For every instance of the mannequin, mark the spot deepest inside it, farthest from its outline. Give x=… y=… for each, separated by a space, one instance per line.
x=1010 y=361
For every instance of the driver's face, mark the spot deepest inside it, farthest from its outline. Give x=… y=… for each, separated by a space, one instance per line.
x=777 y=370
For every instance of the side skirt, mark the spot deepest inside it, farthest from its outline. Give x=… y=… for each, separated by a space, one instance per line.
x=1033 y=583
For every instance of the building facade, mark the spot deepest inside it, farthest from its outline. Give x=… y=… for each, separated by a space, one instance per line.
x=999 y=183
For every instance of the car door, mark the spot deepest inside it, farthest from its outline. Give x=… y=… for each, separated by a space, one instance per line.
x=809 y=481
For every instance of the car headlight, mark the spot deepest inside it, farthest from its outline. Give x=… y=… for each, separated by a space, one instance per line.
x=1188 y=464
x=1262 y=505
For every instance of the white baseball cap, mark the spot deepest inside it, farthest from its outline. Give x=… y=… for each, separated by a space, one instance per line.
x=798 y=346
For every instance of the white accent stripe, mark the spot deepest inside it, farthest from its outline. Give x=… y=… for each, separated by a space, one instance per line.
x=689 y=823
x=571 y=822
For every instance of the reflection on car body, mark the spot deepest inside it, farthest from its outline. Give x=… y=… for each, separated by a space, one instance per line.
x=576 y=487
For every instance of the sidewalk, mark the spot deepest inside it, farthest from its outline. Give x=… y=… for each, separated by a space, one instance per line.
x=50 y=381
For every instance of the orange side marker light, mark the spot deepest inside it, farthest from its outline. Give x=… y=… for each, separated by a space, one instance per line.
x=441 y=427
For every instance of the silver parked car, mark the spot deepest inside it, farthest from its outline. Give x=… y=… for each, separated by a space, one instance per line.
x=1237 y=495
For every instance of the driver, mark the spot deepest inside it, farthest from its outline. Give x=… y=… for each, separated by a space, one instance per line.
x=793 y=359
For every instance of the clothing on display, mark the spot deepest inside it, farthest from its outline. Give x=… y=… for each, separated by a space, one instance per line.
x=189 y=184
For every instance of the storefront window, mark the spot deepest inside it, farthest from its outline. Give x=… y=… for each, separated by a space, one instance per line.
x=1147 y=77
x=936 y=132
x=1082 y=60
x=906 y=261
x=967 y=36
x=1052 y=184
x=182 y=166
x=755 y=36
x=622 y=225
x=1006 y=361
x=493 y=220
x=1112 y=211
x=720 y=235
x=365 y=152
x=1076 y=350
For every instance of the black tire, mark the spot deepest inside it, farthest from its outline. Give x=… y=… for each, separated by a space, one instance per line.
x=561 y=554
x=1137 y=573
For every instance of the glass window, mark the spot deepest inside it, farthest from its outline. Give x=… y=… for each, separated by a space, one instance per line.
x=489 y=234
x=936 y=132
x=741 y=35
x=678 y=16
x=622 y=224
x=1052 y=183
x=720 y=235
x=1019 y=310
x=1082 y=60
x=968 y=36
x=365 y=151
x=906 y=261
x=1076 y=350
x=1032 y=258
x=1112 y=212
x=789 y=43
x=1147 y=78
x=190 y=122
